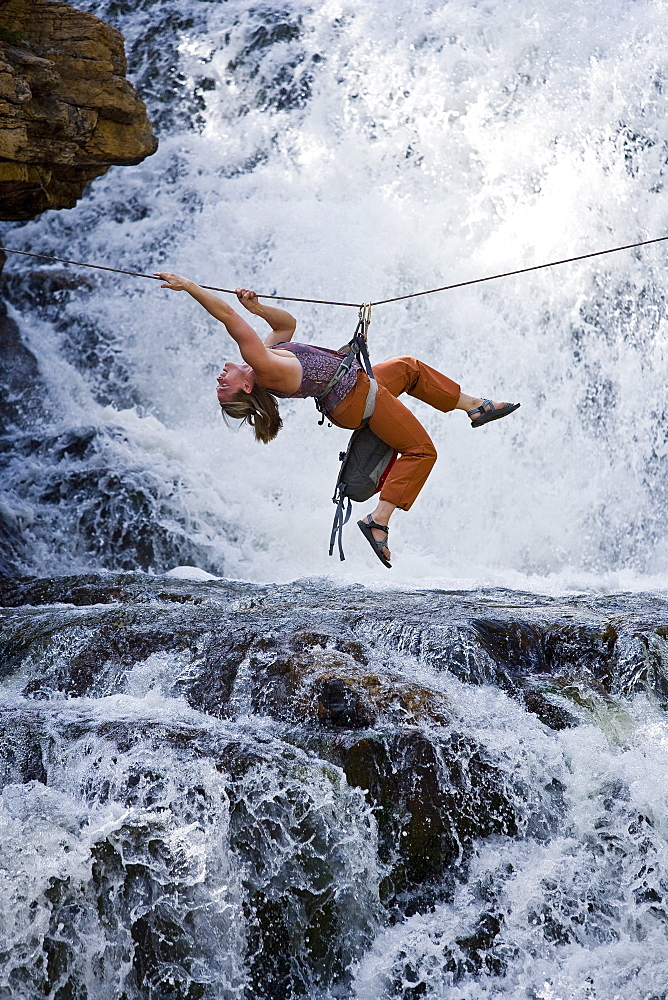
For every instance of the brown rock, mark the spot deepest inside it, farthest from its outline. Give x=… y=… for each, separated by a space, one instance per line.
x=66 y=111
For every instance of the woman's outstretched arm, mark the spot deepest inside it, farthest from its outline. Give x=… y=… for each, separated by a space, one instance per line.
x=282 y=323
x=280 y=371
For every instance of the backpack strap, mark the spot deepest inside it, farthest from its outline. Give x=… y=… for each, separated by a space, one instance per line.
x=340 y=372
x=370 y=404
x=357 y=350
x=339 y=521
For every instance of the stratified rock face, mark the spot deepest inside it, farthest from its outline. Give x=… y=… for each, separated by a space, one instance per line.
x=66 y=111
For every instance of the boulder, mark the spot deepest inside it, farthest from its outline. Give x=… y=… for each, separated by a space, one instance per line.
x=67 y=113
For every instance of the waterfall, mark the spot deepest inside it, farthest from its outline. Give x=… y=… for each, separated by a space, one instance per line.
x=357 y=154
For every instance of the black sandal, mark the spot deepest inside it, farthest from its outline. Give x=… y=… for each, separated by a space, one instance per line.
x=488 y=412
x=365 y=527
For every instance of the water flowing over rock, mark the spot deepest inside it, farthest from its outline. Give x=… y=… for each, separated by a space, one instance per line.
x=253 y=785
x=67 y=113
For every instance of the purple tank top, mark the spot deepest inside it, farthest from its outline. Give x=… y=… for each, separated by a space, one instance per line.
x=318 y=366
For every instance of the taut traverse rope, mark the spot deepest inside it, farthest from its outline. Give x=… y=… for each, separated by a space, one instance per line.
x=358 y=305
x=154 y=277
x=521 y=270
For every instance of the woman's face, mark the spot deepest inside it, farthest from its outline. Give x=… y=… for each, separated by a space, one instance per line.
x=234 y=379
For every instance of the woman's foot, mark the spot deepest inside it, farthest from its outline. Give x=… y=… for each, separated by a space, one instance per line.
x=485 y=411
x=381 y=535
x=376 y=534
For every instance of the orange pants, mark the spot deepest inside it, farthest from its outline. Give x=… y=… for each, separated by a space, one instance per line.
x=395 y=424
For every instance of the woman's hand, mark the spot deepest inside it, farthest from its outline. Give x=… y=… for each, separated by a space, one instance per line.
x=176 y=282
x=247 y=299
x=281 y=322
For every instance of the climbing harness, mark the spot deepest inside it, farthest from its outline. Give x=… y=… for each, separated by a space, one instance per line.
x=357 y=350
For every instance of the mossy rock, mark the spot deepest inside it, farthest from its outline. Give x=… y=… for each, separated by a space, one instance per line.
x=432 y=801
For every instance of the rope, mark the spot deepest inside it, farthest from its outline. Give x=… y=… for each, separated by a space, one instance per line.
x=154 y=277
x=358 y=305
x=521 y=270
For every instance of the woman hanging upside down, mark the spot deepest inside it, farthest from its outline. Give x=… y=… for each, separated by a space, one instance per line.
x=277 y=367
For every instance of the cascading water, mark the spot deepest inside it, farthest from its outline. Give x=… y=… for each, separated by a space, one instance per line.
x=243 y=793
x=359 y=153
x=238 y=791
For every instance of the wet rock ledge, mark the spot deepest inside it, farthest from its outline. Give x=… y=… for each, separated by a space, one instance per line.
x=332 y=655
x=67 y=113
x=285 y=693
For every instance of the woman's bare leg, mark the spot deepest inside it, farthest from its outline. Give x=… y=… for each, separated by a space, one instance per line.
x=467 y=402
x=472 y=402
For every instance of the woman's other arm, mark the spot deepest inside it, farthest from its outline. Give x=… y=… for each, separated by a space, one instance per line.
x=282 y=323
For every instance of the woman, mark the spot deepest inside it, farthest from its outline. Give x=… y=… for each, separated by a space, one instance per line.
x=277 y=367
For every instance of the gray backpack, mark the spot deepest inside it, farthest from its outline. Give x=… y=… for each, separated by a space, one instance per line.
x=364 y=466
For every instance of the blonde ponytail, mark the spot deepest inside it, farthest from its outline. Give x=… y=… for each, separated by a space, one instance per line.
x=257 y=408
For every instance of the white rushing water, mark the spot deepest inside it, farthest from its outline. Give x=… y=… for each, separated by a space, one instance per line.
x=577 y=909
x=356 y=152
x=144 y=844
x=195 y=852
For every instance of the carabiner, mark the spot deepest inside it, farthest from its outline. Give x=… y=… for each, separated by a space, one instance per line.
x=365 y=317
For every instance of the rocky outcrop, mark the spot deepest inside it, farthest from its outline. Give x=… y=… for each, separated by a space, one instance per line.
x=67 y=113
